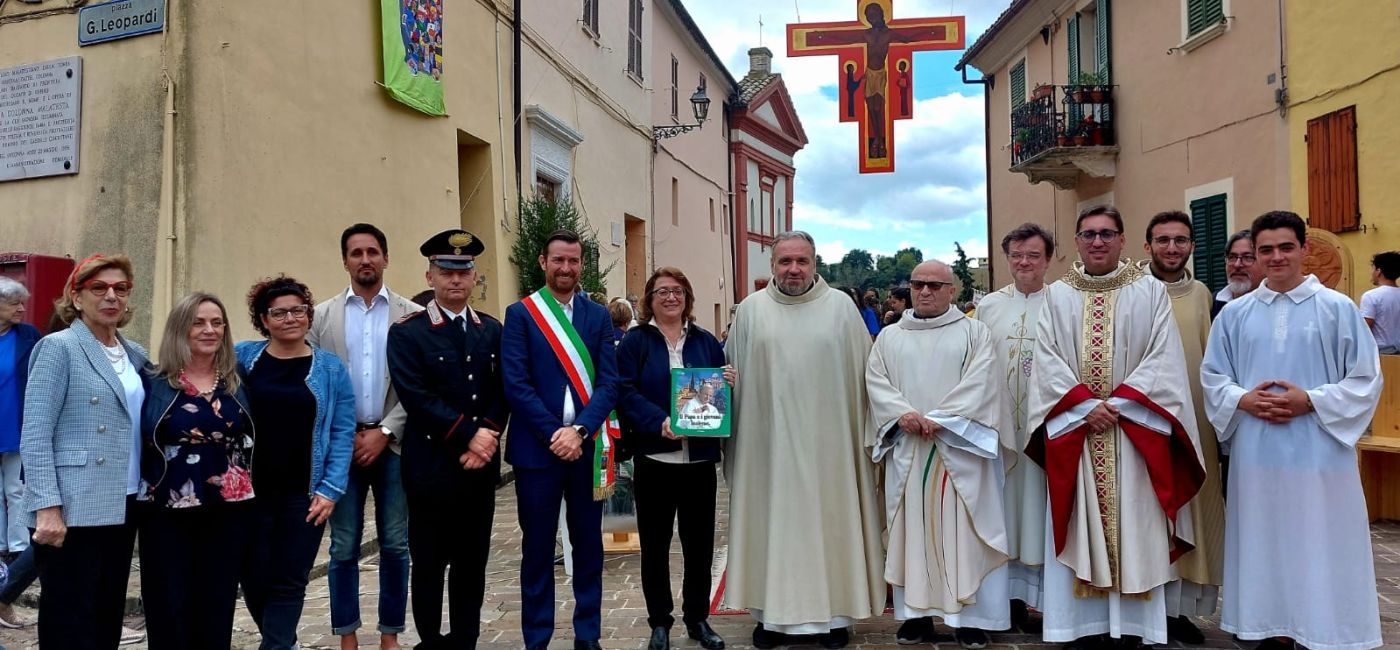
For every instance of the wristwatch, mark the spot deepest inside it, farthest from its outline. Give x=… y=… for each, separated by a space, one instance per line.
x=582 y=432
x=389 y=433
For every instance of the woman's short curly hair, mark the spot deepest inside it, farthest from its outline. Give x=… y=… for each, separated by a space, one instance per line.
x=263 y=293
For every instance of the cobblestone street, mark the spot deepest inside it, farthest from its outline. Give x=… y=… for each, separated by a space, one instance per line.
x=624 y=613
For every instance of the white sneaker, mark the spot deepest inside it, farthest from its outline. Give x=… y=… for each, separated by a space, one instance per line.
x=130 y=636
x=11 y=619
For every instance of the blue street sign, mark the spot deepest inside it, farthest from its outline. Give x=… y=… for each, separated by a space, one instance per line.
x=110 y=21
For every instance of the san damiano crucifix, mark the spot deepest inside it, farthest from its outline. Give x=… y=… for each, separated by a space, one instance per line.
x=865 y=49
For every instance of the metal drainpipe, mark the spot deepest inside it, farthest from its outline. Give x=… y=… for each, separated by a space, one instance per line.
x=987 y=84
x=515 y=65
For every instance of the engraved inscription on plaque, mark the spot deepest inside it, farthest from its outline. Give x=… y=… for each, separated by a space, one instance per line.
x=40 y=110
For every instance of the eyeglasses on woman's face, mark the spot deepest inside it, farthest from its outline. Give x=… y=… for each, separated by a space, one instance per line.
x=669 y=292
x=298 y=312
x=100 y=289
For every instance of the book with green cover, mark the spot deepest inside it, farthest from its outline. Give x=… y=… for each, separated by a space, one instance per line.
x=700 y=403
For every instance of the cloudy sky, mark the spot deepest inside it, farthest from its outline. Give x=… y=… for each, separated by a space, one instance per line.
x=938 y=193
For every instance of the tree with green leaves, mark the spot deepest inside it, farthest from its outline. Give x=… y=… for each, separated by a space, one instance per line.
x=539 y=218
x=963 y=272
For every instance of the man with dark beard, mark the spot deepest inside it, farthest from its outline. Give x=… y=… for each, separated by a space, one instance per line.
x=1244 y=274
x=1170 y=243
x=354 y=325
x=560 y=376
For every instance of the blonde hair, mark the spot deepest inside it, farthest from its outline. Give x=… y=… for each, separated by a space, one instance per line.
x=84 y=271
x=175 y=352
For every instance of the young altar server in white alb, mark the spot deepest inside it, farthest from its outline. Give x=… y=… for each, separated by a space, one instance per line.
x=1115 y=431
x=1291 y=378
x=935 y=417
x=1011 y=314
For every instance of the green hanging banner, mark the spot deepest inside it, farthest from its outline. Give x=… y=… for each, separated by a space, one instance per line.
x=413 y=52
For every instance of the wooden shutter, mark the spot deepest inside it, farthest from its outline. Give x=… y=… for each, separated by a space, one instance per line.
x=1072 y=41
x=1102 y=38
x=1333 y=189
x=634 y=37
x=1208 y=229
x=1202 y=15
x=1018 y=84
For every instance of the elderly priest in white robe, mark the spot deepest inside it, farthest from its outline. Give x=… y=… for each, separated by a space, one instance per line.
x=804 y=518
x=1291 y=378
x=936 y=411
x=1115 y=432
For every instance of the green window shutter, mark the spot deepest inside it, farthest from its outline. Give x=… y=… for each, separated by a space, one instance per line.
x=1209 y=229
x=1072 y=40
x=1202 y=14
x=1102 y=38
x=1018 y=84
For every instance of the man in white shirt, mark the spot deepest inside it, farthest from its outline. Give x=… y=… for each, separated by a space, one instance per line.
x=355 y=326
x=1381 y=306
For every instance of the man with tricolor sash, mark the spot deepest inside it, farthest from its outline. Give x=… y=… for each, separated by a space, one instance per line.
x=557 y=359
x=1115 y=430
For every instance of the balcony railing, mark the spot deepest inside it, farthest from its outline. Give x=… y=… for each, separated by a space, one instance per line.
x=1062 y=130
x=1062 y=116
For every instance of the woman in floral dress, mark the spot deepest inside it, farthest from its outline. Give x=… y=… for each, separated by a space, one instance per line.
x=197 y=438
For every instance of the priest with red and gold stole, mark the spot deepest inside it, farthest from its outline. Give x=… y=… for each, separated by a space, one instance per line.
x=1115 y=430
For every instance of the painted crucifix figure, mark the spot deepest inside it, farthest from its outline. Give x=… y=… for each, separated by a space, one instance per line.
x=865 y=49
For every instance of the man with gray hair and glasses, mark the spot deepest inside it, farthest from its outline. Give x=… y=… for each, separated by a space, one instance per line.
x=1244 y=274
x=805 y=555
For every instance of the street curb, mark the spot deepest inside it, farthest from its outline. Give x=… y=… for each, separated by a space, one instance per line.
x=370 y=546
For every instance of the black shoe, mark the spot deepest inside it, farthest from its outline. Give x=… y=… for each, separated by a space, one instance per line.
x=915 y=631
x=706 y=635
x=971 y=638
x=766 y=639
x=1129 y=642
x=1021 y=618
x=837 y=638
x=660 y=638
x=1274 y=644
x=586 y=645
x=1180 y=628
x=1093 y=642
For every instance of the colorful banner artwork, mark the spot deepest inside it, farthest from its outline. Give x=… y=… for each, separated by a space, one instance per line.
x=413 y=53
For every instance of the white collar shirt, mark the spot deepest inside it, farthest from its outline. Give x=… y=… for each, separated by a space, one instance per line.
x=366 y=337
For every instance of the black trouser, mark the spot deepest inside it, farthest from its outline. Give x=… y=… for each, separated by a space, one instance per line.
x=666 y=493
x=449 y=532
x=189 y=573
x=281 y=551
x=84 y=586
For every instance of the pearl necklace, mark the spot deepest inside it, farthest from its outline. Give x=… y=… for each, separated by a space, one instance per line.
x=117 y=360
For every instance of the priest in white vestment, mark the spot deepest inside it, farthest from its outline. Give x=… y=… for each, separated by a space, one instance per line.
x=1170 y=243
x=936 y=411
x=1115 y=433
x=1292 y=378
x=1011 y=314
x=805 y=554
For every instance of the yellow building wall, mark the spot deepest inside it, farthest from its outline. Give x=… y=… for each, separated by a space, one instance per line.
x=1347 y=53
x=279 y=138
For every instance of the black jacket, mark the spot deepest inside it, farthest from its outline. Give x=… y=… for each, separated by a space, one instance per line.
x=644 y=388
x=449 y=382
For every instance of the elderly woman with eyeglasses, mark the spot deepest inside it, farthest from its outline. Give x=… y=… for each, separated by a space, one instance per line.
x=81 y=448
x=17 y=338
x=304 y=412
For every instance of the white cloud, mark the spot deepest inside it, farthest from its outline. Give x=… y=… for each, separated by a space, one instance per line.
x=938 y=193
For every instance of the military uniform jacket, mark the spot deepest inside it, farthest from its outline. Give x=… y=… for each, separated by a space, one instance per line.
x=448 y=379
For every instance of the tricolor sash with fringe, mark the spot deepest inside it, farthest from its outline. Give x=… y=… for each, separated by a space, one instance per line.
x=573 y=356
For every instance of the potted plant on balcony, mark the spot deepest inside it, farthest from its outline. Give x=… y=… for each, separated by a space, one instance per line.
x=1089 y=89
x=1019 y=140
x=1095 y=133
x=1041 y=91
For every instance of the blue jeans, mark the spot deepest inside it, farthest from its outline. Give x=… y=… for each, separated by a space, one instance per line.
x=347 y=525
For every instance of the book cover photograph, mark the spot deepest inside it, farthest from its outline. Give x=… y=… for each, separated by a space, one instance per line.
x=699 y=402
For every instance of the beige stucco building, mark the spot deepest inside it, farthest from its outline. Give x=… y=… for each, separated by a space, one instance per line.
x=1191 y=120
x=237 y=144
x=692 y=229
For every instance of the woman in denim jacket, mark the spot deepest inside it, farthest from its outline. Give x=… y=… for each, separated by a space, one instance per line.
x=304 y=411
x=196 y=458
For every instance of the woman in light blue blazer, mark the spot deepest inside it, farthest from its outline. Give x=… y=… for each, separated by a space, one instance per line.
x=303 y=407
x=81 y=448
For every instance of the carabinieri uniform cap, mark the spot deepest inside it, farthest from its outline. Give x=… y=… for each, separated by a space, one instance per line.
x=454 y=250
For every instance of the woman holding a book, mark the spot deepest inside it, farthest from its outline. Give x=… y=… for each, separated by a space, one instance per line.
x=674 y=475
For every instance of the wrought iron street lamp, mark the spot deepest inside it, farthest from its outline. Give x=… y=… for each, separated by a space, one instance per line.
x=699 y=105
